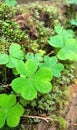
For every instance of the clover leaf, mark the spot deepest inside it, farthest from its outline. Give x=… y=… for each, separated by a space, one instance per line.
x=10 y=111
x=4 y=58
x=36 y=57
x=61 y=37
x=15 y=55
x=69 y=51
x=66 y=42
x=56 y=41
x=32 y=79
x=53 y=64
x=63 y=32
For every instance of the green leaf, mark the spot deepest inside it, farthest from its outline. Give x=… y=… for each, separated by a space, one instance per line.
x=15 y=55
x=29 y=56
x=36 y=57
x=56 y=41
x=4 y=58
x=2 y=117
x=11 y=2
x=18 y=84
x=12 y=62
x=68 y=47
x=43 y=87
x=9 y=110
x=31 y=67
x=16 y=52
x=58 y=29
x=26 y=84
x=63 y=32
x=27 y=69
x=30 y=91
x=69 y=51
x=50 y=60
x=11 y=100
x=13 y=115
x=21 y=69
x=57 y=69
x=67 y=34
x=43 y=74
x=53 y=64
x=25 y=87
x=14 y=71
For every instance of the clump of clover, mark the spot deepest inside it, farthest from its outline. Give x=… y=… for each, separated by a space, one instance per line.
x=34 y=72
x=65 y=43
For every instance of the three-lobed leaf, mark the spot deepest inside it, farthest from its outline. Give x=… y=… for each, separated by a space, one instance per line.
x=10 y=112
x=32 y=80
x=69 y=51
x=56 y=41
x=66 y=42
x=53 y=64
x=36 y=57
x=63 y=32
x=15 y=55
x=15 y=51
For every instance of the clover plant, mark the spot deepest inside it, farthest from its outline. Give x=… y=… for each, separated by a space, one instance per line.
x=32 y=79
x=15 y=56
x=46 y=61
x=10 y=111
x=52 y=63
x=36 y=57
x=67 y=44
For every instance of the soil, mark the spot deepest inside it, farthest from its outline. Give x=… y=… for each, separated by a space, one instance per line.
x=71 y=109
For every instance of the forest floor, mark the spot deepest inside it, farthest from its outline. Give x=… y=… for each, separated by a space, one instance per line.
x=70 y=110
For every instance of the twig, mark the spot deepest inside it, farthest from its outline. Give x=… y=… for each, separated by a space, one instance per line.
x=5 y=85
x=40 y=117
x=51 y=53
x=46 y=119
